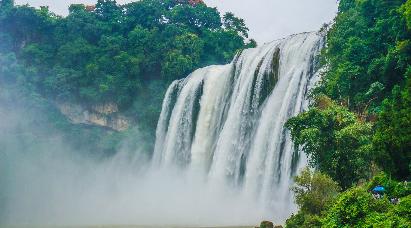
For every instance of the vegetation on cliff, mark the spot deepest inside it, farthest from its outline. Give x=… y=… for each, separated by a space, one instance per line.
x=360 y=121
x=111 y=53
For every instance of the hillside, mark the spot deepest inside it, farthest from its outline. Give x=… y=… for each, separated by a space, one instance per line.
x=357 y=132
x=120 y=57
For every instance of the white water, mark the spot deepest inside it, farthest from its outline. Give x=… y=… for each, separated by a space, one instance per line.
x=218 y=126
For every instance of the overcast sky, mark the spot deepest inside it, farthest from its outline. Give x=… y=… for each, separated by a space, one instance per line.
x=267 y=19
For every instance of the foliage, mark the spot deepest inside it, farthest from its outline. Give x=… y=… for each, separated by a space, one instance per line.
x=368 y=43
x=367 y=62
x=314 y=192
x=393 y=132
x=357 y=207
x=303 y=220
x=393 y=188
x=335 y=140
x=266 y=224
x=123 y=54
x=235 y=24
x=107 y=53
x=361 y=116
x=367 y=59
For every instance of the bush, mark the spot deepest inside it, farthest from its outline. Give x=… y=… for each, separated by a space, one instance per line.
x=393 y=188
x=313 y=191
x=356 y=207
x=303 y=220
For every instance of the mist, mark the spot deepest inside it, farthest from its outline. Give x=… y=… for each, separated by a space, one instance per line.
x=44 y=182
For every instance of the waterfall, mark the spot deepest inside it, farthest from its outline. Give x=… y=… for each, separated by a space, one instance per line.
x=226 y=123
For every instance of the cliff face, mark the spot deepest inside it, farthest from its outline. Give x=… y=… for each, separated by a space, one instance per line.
x=105 y=115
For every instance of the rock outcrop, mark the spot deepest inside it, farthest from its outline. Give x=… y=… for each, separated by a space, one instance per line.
x=105 y=115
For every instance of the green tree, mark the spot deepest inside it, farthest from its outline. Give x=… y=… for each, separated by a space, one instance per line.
x=75 y=54
x=121 y=54
x=81 y=24
x=184 y=57
x=313 y=192
x=5 y=7
x=198 y=17
x=392 y=138
x=362 y=49
x=108 y=10
x=10 y=70
x=357 y=208
x=236 y=24
x=406 y=10
x=366 y=64
x=335 y=140
x=25 y=24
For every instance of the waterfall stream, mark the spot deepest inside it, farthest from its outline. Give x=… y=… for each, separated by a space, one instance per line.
x=226 y=123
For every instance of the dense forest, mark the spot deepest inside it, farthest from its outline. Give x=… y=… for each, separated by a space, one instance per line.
x=109 y=53
x=357 y=132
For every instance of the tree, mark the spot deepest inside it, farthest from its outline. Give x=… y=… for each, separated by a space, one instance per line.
x=392 y=139
x=361 y=116
x=76 y=8
x=25 y=24
x=108 y=10
x=145 y=13
x=81 y=24
x=10 y=70
x=6 y=5
x=75 y=54
x=362 y=48
x=184 y=56
x=198 y=17
x=406 y=10
x=357 y=208
x=121 y=54
x=231 y=22
x=314 y=191
x=335 y=141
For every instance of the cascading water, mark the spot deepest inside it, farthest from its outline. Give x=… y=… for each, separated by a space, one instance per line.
x=226 y=123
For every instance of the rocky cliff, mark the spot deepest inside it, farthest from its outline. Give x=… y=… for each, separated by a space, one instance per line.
x=104 y=115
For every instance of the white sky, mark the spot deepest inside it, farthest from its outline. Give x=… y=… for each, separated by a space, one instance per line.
x=267 y=19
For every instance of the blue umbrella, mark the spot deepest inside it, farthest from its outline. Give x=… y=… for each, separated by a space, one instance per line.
x=378 y=189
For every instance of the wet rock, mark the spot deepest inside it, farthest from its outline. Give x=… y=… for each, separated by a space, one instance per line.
x=105 y=115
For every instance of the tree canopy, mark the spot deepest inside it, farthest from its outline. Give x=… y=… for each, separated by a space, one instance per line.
x=108 y=52
x=336 y=142
x=361 y=116
x=360 y=119
x=111 y=53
